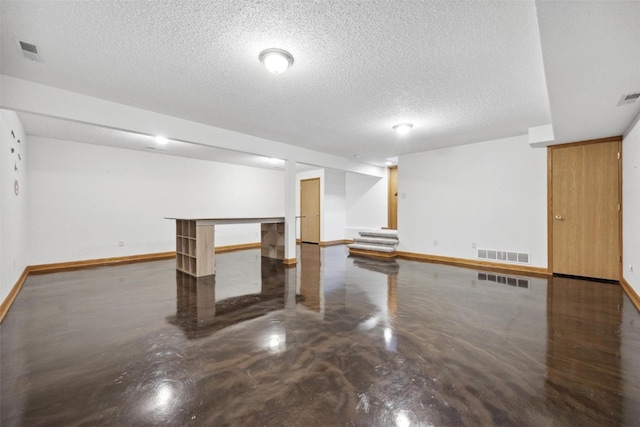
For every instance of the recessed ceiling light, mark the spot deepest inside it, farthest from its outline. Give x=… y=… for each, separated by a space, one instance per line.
x=161 y=140
x=388 y=163
x=403 y=128
x=276 y=61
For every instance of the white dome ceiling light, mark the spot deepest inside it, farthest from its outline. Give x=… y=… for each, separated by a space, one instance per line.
x=403 y=128
x=276 y=61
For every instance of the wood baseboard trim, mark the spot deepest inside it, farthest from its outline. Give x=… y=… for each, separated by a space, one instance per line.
x=375 y=254
x=89 y=263
x=480 y=265
x=631 y=293
x=233 y=248
x=13 y=293
x=336 y=242
x=290 y=262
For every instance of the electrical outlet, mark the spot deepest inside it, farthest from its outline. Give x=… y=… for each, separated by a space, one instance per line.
x=435 y=243
x=474 y=245
x=630 y=268
x=121 y=243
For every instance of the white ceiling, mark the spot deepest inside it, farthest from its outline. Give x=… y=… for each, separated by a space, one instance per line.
x=591 y=54
x=462 y=72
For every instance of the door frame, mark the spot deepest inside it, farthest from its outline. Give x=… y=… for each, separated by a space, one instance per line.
x=319 y=208
x=550 y=149
x=392 y=199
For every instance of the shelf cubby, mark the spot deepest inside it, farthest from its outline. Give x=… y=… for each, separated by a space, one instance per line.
x=193 y=265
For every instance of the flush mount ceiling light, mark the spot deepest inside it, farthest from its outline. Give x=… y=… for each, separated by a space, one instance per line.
x=403 y=128
x=276 y=61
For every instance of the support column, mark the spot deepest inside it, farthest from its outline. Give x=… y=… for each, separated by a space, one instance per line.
x=290 y=288
x=290 y=212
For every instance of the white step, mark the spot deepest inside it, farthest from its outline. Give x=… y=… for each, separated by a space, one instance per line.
x=380 y=233
x=376 y=248
x=377 y=240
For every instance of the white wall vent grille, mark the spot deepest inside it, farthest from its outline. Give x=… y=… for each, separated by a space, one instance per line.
x=504 y=256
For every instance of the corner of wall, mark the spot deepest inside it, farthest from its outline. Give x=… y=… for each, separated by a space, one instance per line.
x=13 y=202
x=631 y=206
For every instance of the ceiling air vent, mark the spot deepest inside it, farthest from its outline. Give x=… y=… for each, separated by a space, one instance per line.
x=629 y=98
x=30 y=51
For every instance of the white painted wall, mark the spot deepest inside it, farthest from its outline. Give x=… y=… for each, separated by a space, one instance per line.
x=365 y=204
x=84 y=199
x=333 y=218
x=13 y=208
x=631 y=206
x=493 y=193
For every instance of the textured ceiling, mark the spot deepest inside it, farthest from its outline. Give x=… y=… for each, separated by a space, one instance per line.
x=462 y=72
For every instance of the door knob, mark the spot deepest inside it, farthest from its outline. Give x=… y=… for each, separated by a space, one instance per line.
x=559 y=217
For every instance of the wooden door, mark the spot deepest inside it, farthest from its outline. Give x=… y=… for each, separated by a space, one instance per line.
x=392 y=202
x=585 y=209
x=310 y=210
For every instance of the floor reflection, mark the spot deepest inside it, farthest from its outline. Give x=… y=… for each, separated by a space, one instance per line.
x=384 y=266
x=199 y=313
x=309 y=286
x=388 y=310
x=583 y=348
x=333 y=341
x=391 y=269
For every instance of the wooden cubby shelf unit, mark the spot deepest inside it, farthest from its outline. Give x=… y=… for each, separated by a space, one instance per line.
x=272 y=240
x=195 y=250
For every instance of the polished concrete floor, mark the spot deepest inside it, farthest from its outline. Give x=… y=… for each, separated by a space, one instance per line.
x=337 y=341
